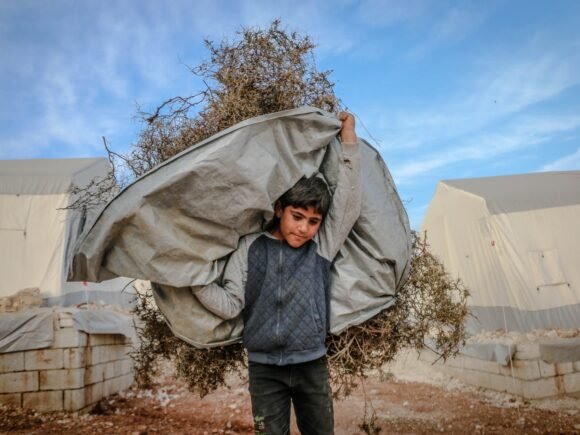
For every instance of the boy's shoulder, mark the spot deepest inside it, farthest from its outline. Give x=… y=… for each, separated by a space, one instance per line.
x=245 y=242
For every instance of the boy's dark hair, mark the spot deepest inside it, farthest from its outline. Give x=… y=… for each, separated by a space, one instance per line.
x=311 y=191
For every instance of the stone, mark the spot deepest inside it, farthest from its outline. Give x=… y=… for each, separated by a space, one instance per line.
x=571 y=383
x=44 y=401
x=123 y=366
x=109 y=371
x=69 y=337
x=115 y=385
x=18 y=382
x=66 y=379
x=75 y=400
x=66 y=323
x=46 y=359
x=487 y=380
x=106 y=353
x=481 y=365
x=11 y=362
x=74 y=357
x=14 y=400
x=526 y=351
x=541 y=388
x=525 y=370
x=107 y=339
x=549 y=370
x=94 y=374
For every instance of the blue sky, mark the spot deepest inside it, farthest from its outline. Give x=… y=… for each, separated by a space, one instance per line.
x=445 y=89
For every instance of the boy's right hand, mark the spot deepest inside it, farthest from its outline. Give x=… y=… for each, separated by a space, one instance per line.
x=347 y=132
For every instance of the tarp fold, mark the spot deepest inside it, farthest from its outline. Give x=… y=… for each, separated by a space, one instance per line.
x=176 y=225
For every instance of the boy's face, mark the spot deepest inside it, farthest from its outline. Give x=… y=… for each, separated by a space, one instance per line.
x=297 y=225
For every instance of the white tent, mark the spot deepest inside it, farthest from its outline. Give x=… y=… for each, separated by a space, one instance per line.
x=515 y=243
x=36 y=232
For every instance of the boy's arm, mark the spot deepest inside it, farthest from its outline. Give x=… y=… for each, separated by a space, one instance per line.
x=227 y=300
x=346 y=201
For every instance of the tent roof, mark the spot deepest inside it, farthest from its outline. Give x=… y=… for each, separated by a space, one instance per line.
x=513 y=193
x=48 y=176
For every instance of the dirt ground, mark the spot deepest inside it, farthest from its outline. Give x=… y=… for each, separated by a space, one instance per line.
x=412 y=400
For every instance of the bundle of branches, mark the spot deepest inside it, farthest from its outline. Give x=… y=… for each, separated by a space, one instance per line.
x=430 y=308
x=263 y=71
x=260 y=72
x=203 y=370
x=429 y=311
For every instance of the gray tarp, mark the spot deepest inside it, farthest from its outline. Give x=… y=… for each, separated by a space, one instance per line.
x=34 y=328
x=176 y=225
x=104 y=322
x=27 y=330
x=562 y=350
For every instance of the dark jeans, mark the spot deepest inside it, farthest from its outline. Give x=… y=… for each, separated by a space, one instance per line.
x=273 y=388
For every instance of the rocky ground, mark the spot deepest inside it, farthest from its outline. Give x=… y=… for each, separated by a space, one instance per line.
x=413 y=399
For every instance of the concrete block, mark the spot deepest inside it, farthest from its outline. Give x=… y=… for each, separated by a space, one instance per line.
x=480 y=365
x=63 y=314
x=78 y=399
x=107 y=339
x=74 y=357
x=75 y=400
x=564 y=368
x=69 y=337
x=46 y=359
x=101 y=339
x=121 y=339
x=427 y=356
x=115 y=385
x=11 y=362
x=541 y=388
x=66 y=379
x=14 y=400
x=18 y=382
x=576 y=365
x=44 y=401
x=110 y=387
x=526 y=351
x=457 y=362
x=106 y=353
x=66 y=323
x=488 y=380
x=97 y=392
x=127 y=381
x=94 y=374
x=122 y=351
x=109 y=370
x=571 y=383
x=124 y=366
x=525 y=370
x=549 y=370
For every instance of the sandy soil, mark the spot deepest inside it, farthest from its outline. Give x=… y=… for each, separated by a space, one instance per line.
x=413 y=399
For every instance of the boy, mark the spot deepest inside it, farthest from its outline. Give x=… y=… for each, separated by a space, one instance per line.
x=280 y=279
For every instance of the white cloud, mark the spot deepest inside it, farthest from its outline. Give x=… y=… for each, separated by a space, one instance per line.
x=454 y=25
x=526 y=133
x=70 y=90
x=566 y=163
x=502 y=87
